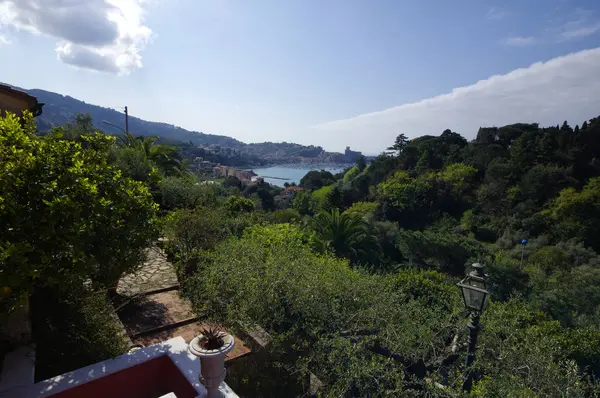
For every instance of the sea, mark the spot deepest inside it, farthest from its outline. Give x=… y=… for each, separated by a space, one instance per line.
x=291 y=174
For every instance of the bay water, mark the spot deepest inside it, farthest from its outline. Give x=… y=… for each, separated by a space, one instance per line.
x=291 y=174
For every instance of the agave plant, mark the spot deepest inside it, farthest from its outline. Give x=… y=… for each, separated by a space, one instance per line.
x=212 y=337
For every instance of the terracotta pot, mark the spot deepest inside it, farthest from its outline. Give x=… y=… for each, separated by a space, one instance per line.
x=212 y=363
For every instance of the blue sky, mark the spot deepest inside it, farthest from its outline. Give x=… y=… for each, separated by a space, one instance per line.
x=330 y=73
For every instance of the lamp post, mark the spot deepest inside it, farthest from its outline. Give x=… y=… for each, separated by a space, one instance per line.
x=114 y=125
x=523 y=243
x=126 y=129
x=475 y=294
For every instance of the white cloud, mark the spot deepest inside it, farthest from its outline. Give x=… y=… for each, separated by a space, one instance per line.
x=102 y=35
x=564 y=88
x=495 y=13
x=4 y=40
x=574 y=31
x=520 y=41
x=582 y=23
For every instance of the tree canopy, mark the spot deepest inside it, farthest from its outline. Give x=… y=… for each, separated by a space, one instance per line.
x=68 y=216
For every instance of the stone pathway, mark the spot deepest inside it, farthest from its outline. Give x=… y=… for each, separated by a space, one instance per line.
x=150 y=317
x=156 y=273
x=155 y=310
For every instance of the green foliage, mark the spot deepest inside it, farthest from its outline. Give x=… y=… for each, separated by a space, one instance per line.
x=192 y=230
x=82 y=125
x=430 y=287
x=399 y=144
x=283 y=216
x=365 y=210
x=346 y=235
x=407 y=200
x=187 y=191
x=361 y=163
x=316 y=179
x=303 y=203
x=134 y=164
x=412 y=223
x=234 y=205
x=523 y=354
x=145 y=149
x=458 y=177
x=72 y=331
x=362 y=291
x=578 y=213
x=351 y=174
x=263 y=194
x=277 y=235
x=68 y=215
x=321 y=198
x=232 y=182
x=442 y=250
x=305 y=301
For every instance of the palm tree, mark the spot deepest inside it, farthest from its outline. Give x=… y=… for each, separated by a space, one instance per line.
x=346 y=235
x=128 y=140
x=165 y=157
x=168 y=159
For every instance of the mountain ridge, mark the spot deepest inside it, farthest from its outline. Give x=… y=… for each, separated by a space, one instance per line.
x=60 y=109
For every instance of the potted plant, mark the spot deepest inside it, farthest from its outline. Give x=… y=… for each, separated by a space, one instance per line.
x=211 y=346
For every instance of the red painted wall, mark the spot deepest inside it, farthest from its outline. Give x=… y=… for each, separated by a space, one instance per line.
x=153 y=378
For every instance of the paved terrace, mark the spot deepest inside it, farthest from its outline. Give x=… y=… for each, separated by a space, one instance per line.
x=154 y=311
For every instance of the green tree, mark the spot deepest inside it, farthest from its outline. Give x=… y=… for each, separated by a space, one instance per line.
x=232 y=182
x=578 y=213
x=81 y=125
x=399 y=144
x=68 y=216
x=345 y=235
x=192 y=230
x=165 y=157
x=364 y=210
x=304 y=203
x=316 y=179
x=351 y=173
x=361 y=163
x=234 y=205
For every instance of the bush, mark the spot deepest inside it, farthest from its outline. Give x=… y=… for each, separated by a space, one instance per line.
x=187 y=192
x=304 y=300
x=134 y=164
x=232 y=182
x=304 y=203
x=235 y=205
x=73 y=330
x=351 y=174
x=191 y=230
x=283 y=216
x=68 y=216
x=321 y=199
x=365 y=210
x=521 y=353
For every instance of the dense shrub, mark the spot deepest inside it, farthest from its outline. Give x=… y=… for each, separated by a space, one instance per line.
x=235 y=205
x=187 y=192
x=305 y=301
x=73 y=330
x=68 y=216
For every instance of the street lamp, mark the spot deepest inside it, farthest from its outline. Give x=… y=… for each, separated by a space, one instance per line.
x=523 y=243
x=114 y=125
x=475 y=294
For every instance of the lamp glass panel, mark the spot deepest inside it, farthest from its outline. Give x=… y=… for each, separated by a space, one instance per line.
x=473 y=298
x=477 y=283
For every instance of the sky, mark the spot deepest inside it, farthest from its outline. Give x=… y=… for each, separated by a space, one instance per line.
x=334 y=73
